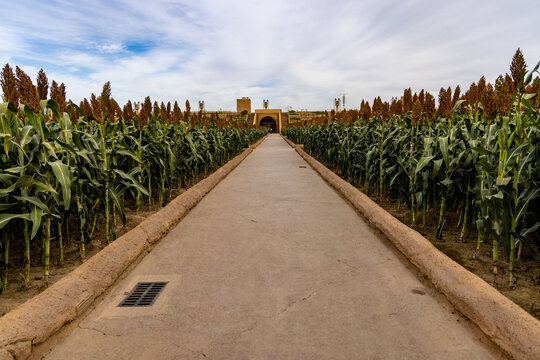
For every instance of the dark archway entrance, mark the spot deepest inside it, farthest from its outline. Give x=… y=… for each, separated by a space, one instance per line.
x=269 y=123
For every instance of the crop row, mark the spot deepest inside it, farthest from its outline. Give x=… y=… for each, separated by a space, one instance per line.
x=485 y=161
x=62 y=165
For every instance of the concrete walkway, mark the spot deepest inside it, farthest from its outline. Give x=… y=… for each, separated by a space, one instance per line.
x=273 y=264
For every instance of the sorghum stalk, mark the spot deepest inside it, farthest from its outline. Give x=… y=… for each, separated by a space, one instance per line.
x=462 y=236
x=47 y=248
x=60 y=239
x=26 y=254
x=6 y=255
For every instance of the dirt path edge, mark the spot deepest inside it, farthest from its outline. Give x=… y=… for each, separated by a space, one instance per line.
x=39 y=318
x=514 y=330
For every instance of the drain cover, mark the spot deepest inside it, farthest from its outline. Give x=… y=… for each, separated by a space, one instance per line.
x=144 y=294
x=302 y=166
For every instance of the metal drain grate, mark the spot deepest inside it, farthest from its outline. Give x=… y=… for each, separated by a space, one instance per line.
x=302 y=166
x=144 y=294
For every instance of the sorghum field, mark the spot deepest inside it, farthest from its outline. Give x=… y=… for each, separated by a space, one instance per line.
x=65 y=168
x=473 y=164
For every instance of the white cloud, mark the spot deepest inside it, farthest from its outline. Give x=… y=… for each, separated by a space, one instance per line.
x=305 y=53
x=110 y=48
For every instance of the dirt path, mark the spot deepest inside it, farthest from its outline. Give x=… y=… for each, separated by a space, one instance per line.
x=273 y=264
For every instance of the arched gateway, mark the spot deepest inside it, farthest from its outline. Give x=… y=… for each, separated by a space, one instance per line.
x=271 y=118
x=269 y=122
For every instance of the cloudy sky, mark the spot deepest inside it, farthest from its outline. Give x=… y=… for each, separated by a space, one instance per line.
x=298 y=54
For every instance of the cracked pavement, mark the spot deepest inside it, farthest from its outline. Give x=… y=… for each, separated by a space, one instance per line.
x=273 y=264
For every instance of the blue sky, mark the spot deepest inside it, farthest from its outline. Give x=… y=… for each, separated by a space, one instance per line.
x=298 y=54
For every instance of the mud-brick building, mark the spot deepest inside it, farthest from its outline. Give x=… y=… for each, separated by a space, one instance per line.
x=274 y=119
